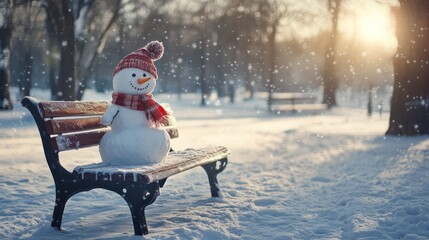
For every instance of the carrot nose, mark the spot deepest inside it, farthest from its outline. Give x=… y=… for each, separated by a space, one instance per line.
x=143 y=80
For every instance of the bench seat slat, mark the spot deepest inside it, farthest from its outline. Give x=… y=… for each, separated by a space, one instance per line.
x=175 y=162
x=299 y=107
x=293 y=100
x=76 y=141
x=89 y=139
x=57 y=126
x=72 y=108
x=291 y=95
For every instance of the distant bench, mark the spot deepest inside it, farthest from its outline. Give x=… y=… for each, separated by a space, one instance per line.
x=73 y=125
x=294 y=102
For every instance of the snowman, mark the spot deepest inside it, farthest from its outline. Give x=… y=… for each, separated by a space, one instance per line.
x=134 y=116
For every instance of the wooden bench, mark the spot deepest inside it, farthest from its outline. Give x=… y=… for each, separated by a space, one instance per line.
x=67 y=125
x=295 y=102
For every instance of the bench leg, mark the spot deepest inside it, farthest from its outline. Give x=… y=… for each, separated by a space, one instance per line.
x=138 y=200
x=139 y=219
x=212 y=170
x=60 y=203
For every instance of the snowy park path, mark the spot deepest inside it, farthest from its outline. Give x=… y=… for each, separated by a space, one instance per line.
x=325 y=176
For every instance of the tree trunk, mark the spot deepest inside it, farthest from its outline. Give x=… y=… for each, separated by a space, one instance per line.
x=249 y=83
x=203 y=80
x=272 y=61
x=219 y=76
x=5 y=35
x=52 y=21
x=67 y=81
x=409 y=114
x=233 y=77
x=29 y=16
x=52 y=70
x=330 y=81
x=25 y=83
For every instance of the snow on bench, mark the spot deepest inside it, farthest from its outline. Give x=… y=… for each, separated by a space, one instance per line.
x=175 y=162
x=72 y=125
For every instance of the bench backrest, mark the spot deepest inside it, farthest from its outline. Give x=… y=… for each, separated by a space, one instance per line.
x=66 y=125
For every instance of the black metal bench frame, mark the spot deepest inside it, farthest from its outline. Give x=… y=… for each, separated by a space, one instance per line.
x=138 y=194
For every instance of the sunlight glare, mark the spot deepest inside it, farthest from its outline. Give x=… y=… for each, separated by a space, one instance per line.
x=375 y=24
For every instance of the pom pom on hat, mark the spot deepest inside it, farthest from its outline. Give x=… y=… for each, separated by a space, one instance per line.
x=155 y=49
x=143 y=58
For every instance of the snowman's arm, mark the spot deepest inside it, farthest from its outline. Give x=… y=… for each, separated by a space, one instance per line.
x=109 y=115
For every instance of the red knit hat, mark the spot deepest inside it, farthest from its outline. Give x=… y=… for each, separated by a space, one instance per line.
x=143 y=58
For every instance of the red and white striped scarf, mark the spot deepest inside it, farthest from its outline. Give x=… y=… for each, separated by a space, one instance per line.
x=143 y=102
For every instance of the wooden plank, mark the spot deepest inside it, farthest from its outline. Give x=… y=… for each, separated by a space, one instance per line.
x=56 y=126
x=89 y=139
x=77 y=108
x=72 y=108
x=293 y=100
x=175 y=162
x=180 y=161
x=299 y=107
x=76 y=141
x=292 y=95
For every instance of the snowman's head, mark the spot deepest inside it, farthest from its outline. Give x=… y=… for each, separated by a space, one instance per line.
x=133 y=81
x=136 y=73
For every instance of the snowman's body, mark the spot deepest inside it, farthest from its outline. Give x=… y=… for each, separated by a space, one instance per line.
x=133 y=138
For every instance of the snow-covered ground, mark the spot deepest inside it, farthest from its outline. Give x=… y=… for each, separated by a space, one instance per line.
x=330 y=175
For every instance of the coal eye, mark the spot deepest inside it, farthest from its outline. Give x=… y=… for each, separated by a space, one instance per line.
x=144 y=74
x=134 y=75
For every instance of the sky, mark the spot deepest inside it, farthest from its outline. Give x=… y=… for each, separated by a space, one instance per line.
x=367 y=22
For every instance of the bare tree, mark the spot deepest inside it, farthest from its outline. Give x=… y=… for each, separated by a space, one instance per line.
x=409 y=114
x=243 y=27
x=202 y=28
x=86 y=65
x=67 y=25
x=272 y=11
x=26 y=39
x=6 y=8
x=60 y=20
x=52 y=46
x=330 y=81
